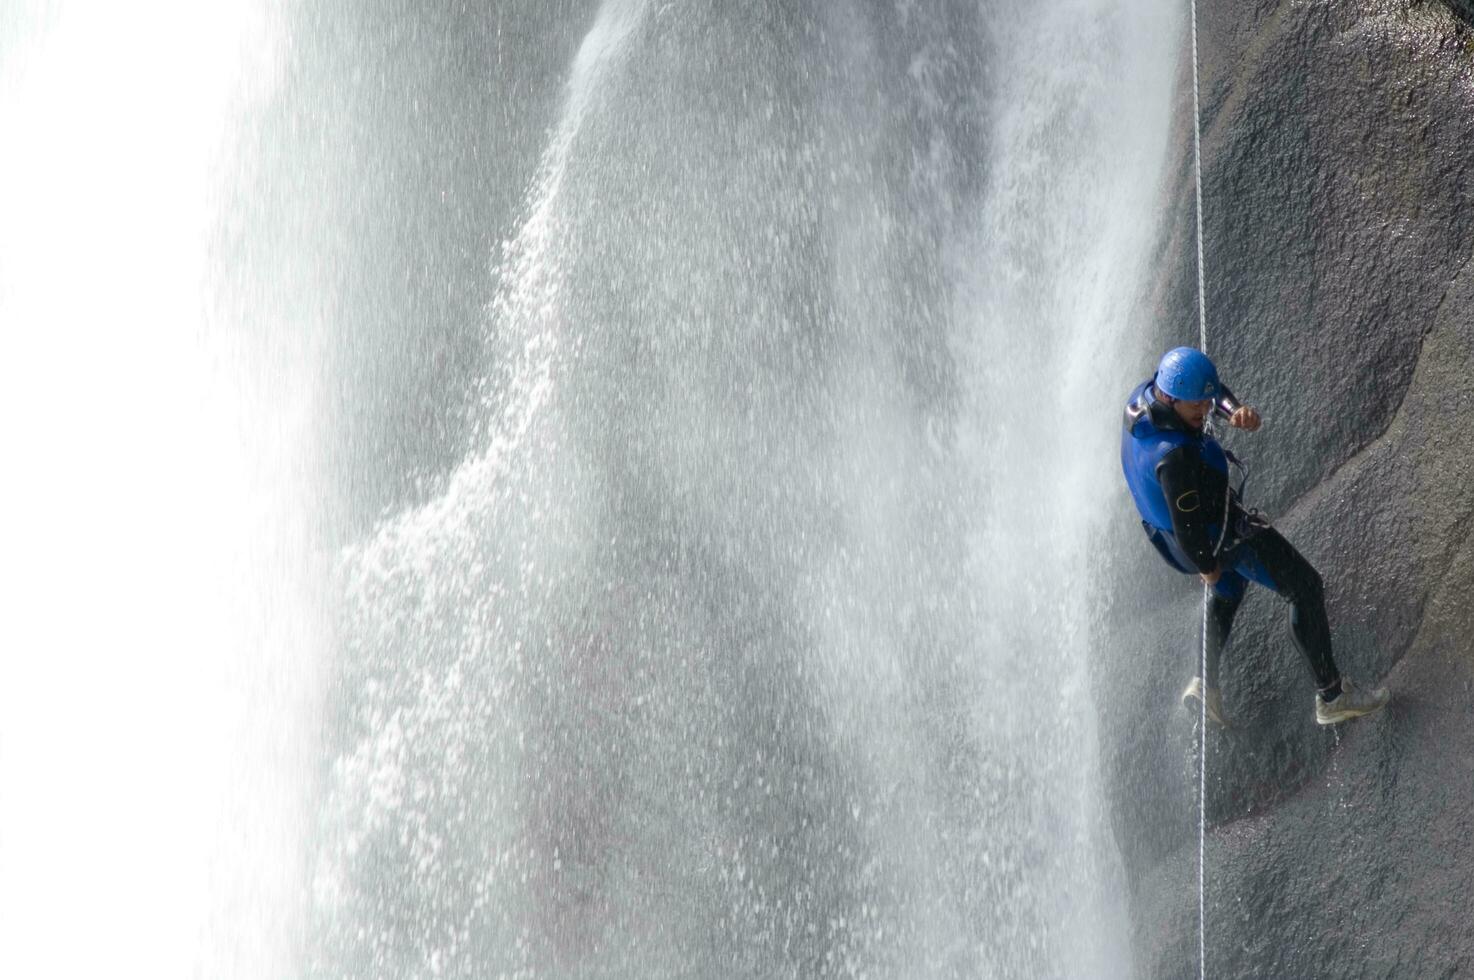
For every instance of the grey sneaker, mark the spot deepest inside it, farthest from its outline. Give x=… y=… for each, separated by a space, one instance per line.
x=1353 y=703
x=1194 y=694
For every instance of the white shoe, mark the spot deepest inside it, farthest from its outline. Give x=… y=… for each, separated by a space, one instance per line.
x=1353 y=703
x=1193 y=694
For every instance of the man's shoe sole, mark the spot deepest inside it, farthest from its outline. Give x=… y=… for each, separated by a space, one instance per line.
x=1192 y=698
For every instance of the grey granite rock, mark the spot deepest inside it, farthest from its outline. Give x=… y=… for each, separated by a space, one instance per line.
x=1339 y=224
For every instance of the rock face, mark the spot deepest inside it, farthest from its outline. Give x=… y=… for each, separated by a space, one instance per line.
x=1338 y=155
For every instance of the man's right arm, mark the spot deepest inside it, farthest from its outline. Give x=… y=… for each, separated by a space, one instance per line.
x=1225 y=404
x=1235 y=412
x=1180 y=474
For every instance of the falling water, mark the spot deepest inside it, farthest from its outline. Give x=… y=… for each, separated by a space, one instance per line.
x=749 y=639
x=730 y=615
x=164 y=633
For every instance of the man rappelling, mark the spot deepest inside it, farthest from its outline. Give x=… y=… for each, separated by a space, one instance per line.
x=1178 y=475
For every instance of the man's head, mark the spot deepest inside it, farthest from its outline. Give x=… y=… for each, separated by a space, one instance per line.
x=1193 y=413
x=1187 y=380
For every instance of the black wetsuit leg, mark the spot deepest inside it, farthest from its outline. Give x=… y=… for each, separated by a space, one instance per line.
x=1270 y=560
x=1221 y=611
x=1223 y=603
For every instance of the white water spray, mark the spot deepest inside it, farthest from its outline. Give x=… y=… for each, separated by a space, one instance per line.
x=728 y=652
x=162 y=627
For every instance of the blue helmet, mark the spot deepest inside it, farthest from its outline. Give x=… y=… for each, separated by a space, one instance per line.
x=1186 y=374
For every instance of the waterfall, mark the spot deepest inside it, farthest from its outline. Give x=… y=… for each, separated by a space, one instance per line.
x=750 y=638
x=166 y=623
x=706 y=590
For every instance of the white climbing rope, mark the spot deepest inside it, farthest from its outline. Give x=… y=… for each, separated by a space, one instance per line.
x=1203 y=345
x=1198 y=185
x=1203 y=800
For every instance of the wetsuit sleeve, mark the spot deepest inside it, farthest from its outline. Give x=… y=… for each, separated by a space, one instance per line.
x=1225 y=404
x=1180 y=474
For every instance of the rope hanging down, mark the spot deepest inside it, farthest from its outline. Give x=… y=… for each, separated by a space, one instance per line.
x=1203 y=345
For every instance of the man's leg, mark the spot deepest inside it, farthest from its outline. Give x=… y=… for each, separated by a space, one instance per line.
x=1270 y=560
x=1223 y=604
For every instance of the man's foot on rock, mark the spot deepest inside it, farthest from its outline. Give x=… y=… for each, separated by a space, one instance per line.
x=1193 y=694
x=1353 y=702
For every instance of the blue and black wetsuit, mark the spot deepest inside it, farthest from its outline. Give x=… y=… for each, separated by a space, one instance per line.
x=1178 y=477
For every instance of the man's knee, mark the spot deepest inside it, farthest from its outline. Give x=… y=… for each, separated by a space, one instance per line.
x=1292 y=572
x=1306 y=588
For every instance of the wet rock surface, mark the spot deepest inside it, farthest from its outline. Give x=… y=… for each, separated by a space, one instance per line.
x=1339 y=224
